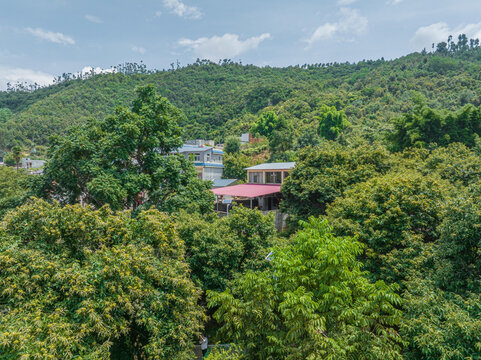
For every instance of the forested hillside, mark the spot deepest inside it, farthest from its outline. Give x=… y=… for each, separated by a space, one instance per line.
x=222 y=99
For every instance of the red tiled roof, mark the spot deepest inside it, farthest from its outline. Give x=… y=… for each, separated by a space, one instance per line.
x=248 y=190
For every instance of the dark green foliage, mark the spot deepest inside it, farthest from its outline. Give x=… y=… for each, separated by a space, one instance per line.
x=313 y=302
x=124 y=161
x=323 y=173
x=220 y=249
x=424 y=126
x=396 y=216
x=232 y=145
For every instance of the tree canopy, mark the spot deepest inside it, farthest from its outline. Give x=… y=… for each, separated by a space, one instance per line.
x=79 y=283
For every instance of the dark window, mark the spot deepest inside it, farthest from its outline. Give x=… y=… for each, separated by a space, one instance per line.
x=273 y=177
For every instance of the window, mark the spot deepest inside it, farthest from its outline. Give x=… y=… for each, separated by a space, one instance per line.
x=273 y=177
x=207 y=157
x=255 y=177
x=286 y=174
x=196 y=156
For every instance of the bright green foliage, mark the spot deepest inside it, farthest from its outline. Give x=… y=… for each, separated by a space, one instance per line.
x=324 y=173
x=77 y=283
x=218 y=249
x=314 y=302
x=396 y=216
x=219 y=353
x=266 y=123
x=225 y=99
x=423 y=126
x=331 y=122
x=232 y=145
x=13 y=189
x=122 y=160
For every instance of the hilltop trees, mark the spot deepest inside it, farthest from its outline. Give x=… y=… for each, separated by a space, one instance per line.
x=424 y=126
x=123 y=160
x=77 y=283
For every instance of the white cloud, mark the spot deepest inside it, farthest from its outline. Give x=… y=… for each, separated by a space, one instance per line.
x=12 y=75
x=394 y=2
x=93 y=19
x=179 y=8
x=158 y=13
x=226 y=46
x=139 y=49
x=350 y=24
x=425 y=36
x=346 y=2
x=51 y=36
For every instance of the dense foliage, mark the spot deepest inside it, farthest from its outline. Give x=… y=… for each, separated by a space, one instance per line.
x=226 y=99
x=124 y=160
x=78 y=283
x=313 y=302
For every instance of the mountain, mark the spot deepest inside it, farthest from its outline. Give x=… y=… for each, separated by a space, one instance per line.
x=223 y=99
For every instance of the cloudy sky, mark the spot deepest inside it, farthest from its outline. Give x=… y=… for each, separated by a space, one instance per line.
x=43 y=38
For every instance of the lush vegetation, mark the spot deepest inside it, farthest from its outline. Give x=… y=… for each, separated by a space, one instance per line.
x=121 y=256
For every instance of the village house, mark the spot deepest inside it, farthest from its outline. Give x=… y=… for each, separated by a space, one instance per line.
x=208 y=160
x=263 y=187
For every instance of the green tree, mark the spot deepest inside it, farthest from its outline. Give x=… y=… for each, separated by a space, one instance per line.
x=17 y=155
x=124 y=160
x=220 y=249
x=323 y=173
x=314 y=302
x=232 y=145
x=266 y=123
x=396 y=216
x=78 y=283
x=423 y=126
x=13 y=189
x=235 y=165
x=331 y=122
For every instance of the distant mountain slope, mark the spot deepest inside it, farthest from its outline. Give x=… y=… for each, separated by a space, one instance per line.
x=218 y=99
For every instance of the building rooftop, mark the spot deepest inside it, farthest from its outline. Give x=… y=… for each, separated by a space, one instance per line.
x=196 y=148
x=273 y=166
x=248 y=190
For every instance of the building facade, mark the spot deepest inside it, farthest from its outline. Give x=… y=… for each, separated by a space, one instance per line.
x=208 y=160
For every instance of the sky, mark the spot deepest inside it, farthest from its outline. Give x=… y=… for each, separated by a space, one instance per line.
x=40 y=39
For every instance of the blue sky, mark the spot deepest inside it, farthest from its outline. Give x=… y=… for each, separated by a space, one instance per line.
x=43 y=38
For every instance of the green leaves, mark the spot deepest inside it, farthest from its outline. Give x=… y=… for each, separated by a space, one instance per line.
x=314 y=301
x=124 y=161
x=81 y=283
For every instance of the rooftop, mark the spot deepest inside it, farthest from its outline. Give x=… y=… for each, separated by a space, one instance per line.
x=248 y=190
x=273 y=166
x=196 y=148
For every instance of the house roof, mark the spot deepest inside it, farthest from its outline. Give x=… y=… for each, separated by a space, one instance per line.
x=195 y=148
x=273 y=166
x=218 y=183
x=248 y=190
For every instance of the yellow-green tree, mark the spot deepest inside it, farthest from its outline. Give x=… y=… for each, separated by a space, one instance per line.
x=78 y=283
